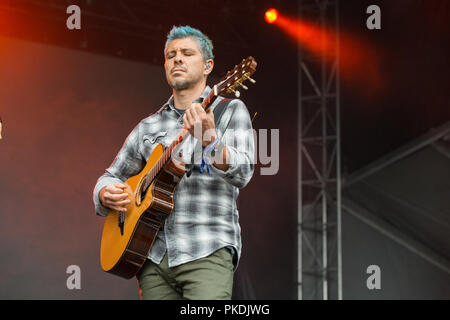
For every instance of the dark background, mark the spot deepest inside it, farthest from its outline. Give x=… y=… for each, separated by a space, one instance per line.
x=69 y=99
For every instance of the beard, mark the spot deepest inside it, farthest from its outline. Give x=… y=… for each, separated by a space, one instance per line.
x=180 y=84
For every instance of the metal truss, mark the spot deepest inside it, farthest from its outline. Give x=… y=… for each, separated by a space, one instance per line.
x=319 y=162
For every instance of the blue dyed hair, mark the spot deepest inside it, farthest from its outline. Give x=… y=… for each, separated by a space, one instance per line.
x=204 y=43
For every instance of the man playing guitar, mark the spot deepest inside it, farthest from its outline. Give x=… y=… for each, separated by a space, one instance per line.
x=198 y=247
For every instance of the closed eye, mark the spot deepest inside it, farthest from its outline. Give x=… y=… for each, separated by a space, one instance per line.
x=185 y=52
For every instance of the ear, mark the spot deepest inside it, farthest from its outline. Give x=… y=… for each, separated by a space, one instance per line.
x=209 y=65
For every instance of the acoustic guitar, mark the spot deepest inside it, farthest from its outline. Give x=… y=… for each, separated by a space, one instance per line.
x=128 y=236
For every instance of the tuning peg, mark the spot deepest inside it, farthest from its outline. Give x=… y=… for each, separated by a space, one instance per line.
x=247 y=77
x=237 y=94
x=244 y=87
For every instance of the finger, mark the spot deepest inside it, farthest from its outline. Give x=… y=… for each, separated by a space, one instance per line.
x=116 y=188
x=197 y=127
x=123 y=202
x=202 y=112
x=113 y=189
x=189 y=122
x=204 y=115
x=118 y=208
x=116 y=202
x=115 y=196
x=196 y=114
x=210 y=112
x=185 y=120
x=197 y=107
x=114 y=205
x=120 y=185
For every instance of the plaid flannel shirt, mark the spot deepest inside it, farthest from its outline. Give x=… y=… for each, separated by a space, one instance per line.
x=205 y=216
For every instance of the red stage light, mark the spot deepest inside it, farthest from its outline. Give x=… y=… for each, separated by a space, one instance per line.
x=359 y=61
x=271 y=15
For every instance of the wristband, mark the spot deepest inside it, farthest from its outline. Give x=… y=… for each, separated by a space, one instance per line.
x=210 y=148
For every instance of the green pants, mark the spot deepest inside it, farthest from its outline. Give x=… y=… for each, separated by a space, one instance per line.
x=208 y=278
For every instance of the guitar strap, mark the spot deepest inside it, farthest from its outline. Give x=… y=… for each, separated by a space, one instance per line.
x=218 y=112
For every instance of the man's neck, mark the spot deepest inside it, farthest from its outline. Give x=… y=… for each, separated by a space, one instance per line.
x=183 y=98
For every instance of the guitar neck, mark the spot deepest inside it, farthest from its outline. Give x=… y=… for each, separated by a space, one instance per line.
x=210 y=98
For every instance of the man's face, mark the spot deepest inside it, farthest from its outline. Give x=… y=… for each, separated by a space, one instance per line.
x=184 y=64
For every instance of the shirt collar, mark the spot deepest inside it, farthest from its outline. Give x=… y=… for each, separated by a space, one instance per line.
x=169 y=104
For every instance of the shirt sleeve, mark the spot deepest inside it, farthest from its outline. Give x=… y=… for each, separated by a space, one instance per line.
x=238 y=138
x=128 y=162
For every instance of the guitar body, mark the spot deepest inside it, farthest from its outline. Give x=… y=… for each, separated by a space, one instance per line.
x=124 y=251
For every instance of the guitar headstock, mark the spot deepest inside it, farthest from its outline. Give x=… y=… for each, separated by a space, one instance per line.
x=236 y=77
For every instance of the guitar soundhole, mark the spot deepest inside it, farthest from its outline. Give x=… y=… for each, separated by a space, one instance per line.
x=143 y=193
x=139 y=197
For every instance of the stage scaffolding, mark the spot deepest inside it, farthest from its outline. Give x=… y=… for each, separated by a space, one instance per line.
x=319 y=161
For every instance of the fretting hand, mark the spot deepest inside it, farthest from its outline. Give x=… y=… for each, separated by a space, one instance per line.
x=200 y=123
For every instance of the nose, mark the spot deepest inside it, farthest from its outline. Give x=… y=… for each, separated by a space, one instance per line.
x=178 y=57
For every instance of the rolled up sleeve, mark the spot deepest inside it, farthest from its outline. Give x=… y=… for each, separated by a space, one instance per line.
x=238 y=138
